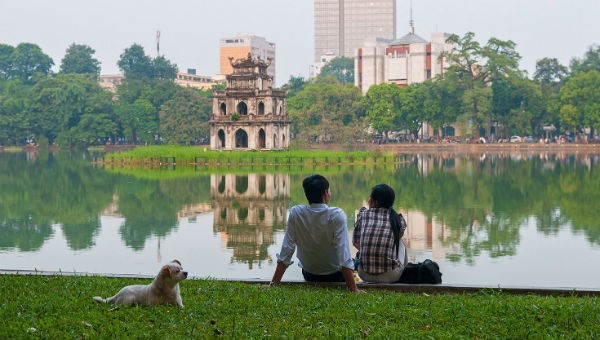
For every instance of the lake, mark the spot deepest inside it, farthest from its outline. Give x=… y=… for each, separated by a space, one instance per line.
x=501 y=219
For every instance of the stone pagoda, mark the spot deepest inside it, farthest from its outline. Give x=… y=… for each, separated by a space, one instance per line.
x=249 y=114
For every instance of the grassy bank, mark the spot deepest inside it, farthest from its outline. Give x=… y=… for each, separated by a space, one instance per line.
x=168 y=154
x=62 y=307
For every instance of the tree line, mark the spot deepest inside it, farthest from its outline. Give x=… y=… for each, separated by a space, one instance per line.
x=481 y=93
x=70 y=109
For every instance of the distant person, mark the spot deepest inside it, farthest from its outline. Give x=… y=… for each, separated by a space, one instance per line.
x=320 y=234
x=378 y=235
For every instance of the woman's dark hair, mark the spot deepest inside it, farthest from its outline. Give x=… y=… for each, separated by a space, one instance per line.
x=384 y=195
x=314 y=188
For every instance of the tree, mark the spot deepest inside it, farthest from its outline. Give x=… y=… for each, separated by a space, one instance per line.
x=79 y=59
x=294 y=85
x=441 y=103
x=60 y=101
x=185 y=118
x=134 y=63
x=382 y=107
x=590 y=61
x=550 y=74
x=15 y=101
x=6 y=61
x=341 y=68
x=474 y=68
x=163 y=69
x=518 y=105
x=27 y=62
x=326 y=106
x=138 y=120
x=580 y=101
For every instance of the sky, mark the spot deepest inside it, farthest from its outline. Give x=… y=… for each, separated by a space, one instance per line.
x=191 y=29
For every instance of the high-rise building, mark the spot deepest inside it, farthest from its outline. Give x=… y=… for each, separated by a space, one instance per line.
x=342 y=26
x=239 y=46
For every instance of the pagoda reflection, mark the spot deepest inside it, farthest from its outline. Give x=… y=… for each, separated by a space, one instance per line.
x=247 y=210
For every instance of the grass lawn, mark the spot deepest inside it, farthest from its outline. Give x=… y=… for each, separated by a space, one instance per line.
x=61 y=307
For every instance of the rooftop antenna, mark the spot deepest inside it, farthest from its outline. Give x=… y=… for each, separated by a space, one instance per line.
x=411 y=23
x=158 y=43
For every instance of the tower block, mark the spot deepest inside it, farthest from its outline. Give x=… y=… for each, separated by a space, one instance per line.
x=249 y=114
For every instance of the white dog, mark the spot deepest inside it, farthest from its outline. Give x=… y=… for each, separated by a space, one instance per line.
x=164 y=290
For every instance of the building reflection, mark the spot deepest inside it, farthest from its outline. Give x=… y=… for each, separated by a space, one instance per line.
x=247 y=210
x=427 y=237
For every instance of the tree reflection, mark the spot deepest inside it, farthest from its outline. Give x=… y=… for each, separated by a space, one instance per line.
x=25 y=234
x=463 y=204
x=38 y=190
x=151 y=207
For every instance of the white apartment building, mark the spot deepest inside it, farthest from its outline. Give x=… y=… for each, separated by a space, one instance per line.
x=407 y=60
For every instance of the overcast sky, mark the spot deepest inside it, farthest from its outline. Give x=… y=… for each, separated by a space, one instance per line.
x=191 y=29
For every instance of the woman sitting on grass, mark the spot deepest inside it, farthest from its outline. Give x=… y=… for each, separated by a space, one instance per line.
x=377 y=235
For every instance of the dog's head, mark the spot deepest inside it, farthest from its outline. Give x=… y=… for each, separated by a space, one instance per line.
x=173 y=272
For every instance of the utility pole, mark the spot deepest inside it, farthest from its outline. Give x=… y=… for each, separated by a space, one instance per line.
x=158 y=43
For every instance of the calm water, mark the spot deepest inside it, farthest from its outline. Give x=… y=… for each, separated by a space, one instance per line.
x=509 y=220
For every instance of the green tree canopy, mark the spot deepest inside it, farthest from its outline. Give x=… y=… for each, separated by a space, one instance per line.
x=474 y=68
x=550 y=74
x=135 y=64
x=341 y=68
x=60 y=101
x=326 y=106
x=590 y=61
x=138 y=120
x=25 y=62
x=15 y=101
x=382 y=106
x=163 y=69
x=79 y=59
x=184 y=119
x=6 y=61
x=580 y=101
x=294 y=85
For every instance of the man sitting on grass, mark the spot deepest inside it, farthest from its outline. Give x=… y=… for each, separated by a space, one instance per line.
x=321 y=235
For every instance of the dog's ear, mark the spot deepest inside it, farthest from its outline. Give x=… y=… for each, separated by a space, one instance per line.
x=176 y=261
x=165 y=271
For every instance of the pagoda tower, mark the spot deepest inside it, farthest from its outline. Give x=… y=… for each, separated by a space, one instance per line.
x=249 y=114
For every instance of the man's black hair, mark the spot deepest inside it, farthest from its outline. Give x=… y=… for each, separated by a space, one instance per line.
x=314 y=188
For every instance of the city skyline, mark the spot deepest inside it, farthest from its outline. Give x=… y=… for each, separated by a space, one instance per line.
x=190 y=31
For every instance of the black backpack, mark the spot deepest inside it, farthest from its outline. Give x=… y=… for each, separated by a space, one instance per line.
x=423 y=272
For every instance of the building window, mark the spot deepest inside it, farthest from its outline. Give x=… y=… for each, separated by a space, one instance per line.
x=242 y=108
x=261 y=108
x=223 y=109
x=241 y=139
x=221 y=135
x=262 y=139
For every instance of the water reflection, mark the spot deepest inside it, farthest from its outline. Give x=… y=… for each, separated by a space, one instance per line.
x=247 y=209
x=473 y=213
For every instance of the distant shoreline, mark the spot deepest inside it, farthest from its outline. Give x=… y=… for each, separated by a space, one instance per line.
x=399 y=148
x=487 y=148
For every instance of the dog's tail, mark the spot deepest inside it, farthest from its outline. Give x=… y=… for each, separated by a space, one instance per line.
x=100 y=300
